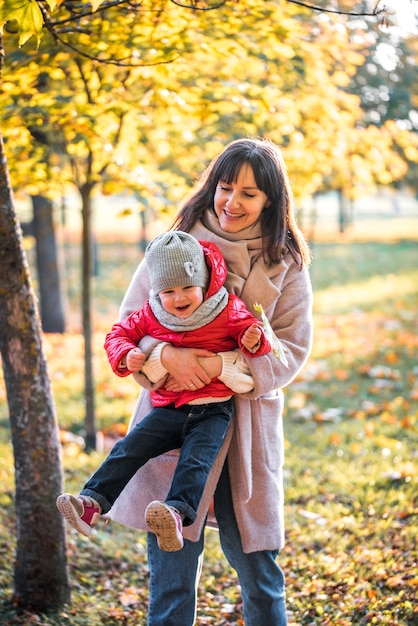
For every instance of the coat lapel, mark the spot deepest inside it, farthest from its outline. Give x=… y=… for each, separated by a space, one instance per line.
x=263 y=286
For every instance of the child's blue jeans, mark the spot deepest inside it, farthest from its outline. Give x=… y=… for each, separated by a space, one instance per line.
x=198 y=430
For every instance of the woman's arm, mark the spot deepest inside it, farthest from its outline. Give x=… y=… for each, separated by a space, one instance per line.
x=291 y=321
x=229 y=367
x=183 y=365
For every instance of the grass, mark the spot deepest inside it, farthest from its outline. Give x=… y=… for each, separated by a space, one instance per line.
x=351 y=456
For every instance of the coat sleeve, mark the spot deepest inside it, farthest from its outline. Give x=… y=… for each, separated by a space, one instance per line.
x=123 y=337
x=291 y=321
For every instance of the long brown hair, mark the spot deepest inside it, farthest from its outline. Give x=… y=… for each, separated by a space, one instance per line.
x=278 y=222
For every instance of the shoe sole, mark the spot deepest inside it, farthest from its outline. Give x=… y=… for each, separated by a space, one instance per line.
x=67 y=510
x=164 y=525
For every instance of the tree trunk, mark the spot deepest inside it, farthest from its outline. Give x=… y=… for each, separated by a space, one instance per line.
x=87 y=267
x=342 y=213
x=51 y=301
x=41 y=576
x=143 y=214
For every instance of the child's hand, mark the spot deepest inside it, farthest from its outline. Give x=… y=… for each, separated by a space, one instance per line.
x=251 y=337
x=135 y=359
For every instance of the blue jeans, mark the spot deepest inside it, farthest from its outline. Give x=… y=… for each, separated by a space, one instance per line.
x=198 y=430
x=175 y=575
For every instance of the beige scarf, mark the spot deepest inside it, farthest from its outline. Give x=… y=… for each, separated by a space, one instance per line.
x=240 y=250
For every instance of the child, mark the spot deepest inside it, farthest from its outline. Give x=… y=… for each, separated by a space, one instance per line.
x=188 y=306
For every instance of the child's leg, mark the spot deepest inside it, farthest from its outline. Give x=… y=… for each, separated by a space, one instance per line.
x=205 y=428
x=157 y=433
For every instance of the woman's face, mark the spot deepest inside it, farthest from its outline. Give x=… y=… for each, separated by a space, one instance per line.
x=238 y=205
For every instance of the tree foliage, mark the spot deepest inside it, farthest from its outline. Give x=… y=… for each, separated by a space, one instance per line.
x=32 y=16
x=178 y=85
x=387 y=87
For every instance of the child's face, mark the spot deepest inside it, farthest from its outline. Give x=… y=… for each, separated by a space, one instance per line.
x=181 y=301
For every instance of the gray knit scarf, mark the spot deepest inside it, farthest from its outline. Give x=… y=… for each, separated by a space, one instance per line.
x=205 y=313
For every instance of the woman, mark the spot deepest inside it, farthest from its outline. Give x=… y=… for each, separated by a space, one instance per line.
x=243 y=204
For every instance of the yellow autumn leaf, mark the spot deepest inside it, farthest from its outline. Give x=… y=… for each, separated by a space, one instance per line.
x=95 y=4
x=277 y=347
x=128 y=597
x=28 y=16
x=356 y=447
x=387 y=442
x=408 y=468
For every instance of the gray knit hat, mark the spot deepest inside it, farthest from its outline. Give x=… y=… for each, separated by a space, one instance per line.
x=176 y=259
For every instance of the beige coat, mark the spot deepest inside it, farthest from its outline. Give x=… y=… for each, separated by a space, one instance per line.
x=255 y=440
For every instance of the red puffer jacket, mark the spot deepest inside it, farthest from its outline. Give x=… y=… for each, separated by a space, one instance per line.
x=221 y=335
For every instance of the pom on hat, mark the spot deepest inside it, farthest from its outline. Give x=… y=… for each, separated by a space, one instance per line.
x=176 y=259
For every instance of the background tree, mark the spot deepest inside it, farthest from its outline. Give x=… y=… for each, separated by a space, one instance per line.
x=387 y=87
x=41 y=578
x=49 y=283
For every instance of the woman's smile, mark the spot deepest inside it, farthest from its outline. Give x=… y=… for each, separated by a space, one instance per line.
x=233 y=215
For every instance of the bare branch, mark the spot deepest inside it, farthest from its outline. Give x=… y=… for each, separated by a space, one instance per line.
x=51 y=28
x=196 y=5
x=313 y=7
x=110 y=61
x=84 y=10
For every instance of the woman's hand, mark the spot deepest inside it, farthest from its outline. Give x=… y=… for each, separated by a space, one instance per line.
x=185 y=367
